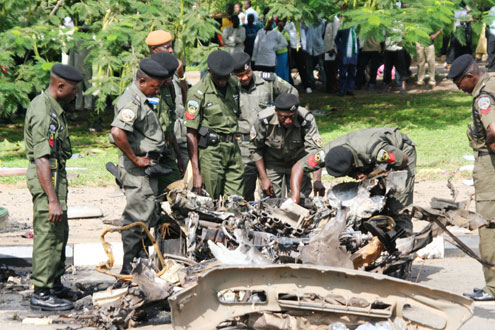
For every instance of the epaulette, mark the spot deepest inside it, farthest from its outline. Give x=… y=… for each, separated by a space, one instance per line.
x=304 y=118
x=268 y=76
x=266 y=115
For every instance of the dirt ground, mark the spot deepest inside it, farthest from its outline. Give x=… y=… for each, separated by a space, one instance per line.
x=112 y=202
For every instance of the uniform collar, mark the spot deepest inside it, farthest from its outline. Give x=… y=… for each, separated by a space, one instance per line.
x=211 y=88
x=55 y=105
x=480 y=84
x=142 y=98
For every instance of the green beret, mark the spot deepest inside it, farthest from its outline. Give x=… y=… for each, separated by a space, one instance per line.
x=153 y=69
x=460 y=66
x=242 y=62
x=338 y=161
x=167 y=60
x=220 y=63
x=286 y=102
x=67 y=72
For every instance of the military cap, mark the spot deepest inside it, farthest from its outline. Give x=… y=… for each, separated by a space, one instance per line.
x=158 y=37
x=286 y=102
x=153 y=69
x=338 y=161
x=167 y=60
x=67 y=72
x=460 y=66
x=220 y=63
x=242 y=62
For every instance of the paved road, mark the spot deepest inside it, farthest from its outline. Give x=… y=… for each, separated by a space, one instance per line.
x=457 y=275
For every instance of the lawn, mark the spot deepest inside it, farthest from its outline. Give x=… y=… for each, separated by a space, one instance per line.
x=436 y=121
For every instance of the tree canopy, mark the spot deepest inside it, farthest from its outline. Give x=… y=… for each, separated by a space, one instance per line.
x=32 y=34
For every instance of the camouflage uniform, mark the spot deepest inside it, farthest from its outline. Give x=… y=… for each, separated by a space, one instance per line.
x=484 y=169
x=280 y=147
x=370 y=147
x=134 y=115
x=220 y=161
x=46 y=134
x=260 y=94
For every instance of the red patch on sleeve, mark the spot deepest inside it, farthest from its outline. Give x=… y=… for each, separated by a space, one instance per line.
x=311 y=161
x=189 y=116
x=486 y=111
x=391 y=158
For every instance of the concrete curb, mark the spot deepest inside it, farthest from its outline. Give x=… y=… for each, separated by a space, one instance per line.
x=82 y=254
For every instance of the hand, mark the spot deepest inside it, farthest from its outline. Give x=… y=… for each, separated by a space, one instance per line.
x=180 y=69
x=55 y=212
x=142 y=161
x=182 y=166
x=198 y=184
x=267 y=187
x=331 y=52
x=361 y=176
x=318 y=188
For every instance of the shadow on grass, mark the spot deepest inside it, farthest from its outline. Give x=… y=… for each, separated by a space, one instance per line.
x=431 y=111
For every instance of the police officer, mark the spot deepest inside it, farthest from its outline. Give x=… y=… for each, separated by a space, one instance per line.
x=211 y=120
x=47 y=149
x=258 y=91
x=136 y=131
x=282 y=135
x=481 y=134
x=160 y=41
x=356 y=154
x=167 y=118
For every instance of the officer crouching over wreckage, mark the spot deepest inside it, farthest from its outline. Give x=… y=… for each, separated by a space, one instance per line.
x=357 y=154
x=137 y=133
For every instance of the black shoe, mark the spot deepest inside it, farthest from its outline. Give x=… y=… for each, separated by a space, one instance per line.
x=45 y=301
x=480 y=295
x=64 y=292
x=126 y=269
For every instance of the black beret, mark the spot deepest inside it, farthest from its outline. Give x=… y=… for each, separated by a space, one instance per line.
x=338 y=161
x=220 y=63
x=153 y=69
x=460 y=66
x=67 y=72
x=242 y=62
x=167 y=60
x=286 y=102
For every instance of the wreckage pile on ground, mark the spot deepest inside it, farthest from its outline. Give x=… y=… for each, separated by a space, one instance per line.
x=273 y=264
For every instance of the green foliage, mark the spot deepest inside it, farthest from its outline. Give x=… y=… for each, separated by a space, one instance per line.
x=117 y=30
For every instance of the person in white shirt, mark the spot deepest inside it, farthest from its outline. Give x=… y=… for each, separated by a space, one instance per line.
x=298 y=53
x=233 y=37
x=238 y=12
x=330 y=54
x=267 y=42
x=250 y=10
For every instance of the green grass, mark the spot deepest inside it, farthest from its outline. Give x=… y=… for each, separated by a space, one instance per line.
x=436 y=121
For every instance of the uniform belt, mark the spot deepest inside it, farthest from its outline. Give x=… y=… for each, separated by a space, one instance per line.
x=242 y=137
x=226 y=137
x=152 y=155
x=485 y=153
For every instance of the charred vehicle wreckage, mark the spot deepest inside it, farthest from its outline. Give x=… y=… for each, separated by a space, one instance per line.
x=273 y=264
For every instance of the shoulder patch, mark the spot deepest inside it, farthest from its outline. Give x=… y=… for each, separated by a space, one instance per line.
x=484 y=104
x=127 y=115
x=268 y=76
x=192 y=109
x=252 y=134
x=315 y=159
x=318 y=141
x=385 y=157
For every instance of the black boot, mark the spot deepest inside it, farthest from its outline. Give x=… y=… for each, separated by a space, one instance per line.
x=43 y=299
x=63 y=292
